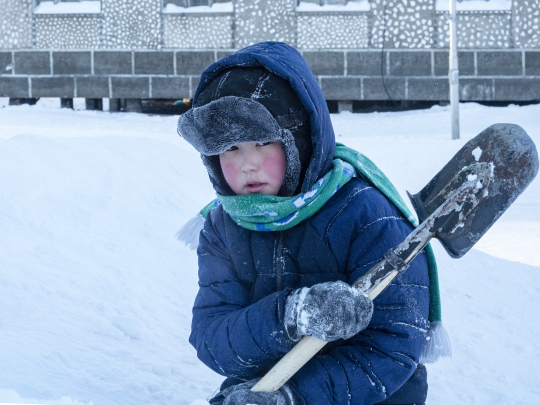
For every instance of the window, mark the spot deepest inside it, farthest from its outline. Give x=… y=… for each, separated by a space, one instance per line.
x=191 y=3
x=197 y=6
x=329 y=2
x=67 y=7
x=475 y=5
x=333 y=5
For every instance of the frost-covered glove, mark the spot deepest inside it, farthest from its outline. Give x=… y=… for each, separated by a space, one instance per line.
x=327 y=311
x=242 y=395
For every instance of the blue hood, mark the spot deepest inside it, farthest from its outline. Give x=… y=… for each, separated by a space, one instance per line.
x=287 y=63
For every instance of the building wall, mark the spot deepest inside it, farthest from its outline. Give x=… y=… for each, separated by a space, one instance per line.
x=525 y=23
x=485 y=75
x=132 y=50
x=201 y=31
x=333 y=30
x=68 y=32
x=15 y=24
x=477 y=30
x=392 y=24
x=131 y=24
x=402 y=23
x=264 y=20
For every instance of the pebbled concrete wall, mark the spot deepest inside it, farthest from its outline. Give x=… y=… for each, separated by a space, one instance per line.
x=200 y=31
x=264 y=20
x=394 y=24
x=68 y=32
x=476 y=30
x=131 y=24
x=402 y=23
x=333 y=30
x=15 y=24
x=132 y=50
x=525 y=23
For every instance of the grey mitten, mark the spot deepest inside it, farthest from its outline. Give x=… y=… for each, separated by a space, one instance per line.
x=327 y=311
x=242 y=395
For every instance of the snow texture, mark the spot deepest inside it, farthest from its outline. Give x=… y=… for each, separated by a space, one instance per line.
x=477 y=153
x=328 y=311
x=82 y=7
x=89 y=207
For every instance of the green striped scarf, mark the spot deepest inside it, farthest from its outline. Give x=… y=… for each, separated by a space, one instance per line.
x=261 y=212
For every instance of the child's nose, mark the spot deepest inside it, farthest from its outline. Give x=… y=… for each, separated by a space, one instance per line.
x=250 y=163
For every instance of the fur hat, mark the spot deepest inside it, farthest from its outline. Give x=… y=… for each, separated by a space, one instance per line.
x=249 y=105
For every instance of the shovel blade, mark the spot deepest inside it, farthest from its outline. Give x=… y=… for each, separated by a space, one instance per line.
x=513 y=158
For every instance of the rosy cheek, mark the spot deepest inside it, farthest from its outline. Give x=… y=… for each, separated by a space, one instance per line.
x=229 y=169
x=230 y=172
x=274 y=166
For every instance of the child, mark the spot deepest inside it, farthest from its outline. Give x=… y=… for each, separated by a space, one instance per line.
x=294 y=225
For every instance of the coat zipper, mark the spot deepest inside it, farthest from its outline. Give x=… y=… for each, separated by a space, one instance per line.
x=279 y=262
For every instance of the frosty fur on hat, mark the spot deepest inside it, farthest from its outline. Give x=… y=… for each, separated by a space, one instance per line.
x=249 y=105
x=228 y=121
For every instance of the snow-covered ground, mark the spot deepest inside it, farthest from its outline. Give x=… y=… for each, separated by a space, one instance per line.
x=96 y=295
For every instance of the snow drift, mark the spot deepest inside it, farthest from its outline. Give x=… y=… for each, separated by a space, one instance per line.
x=96 y=293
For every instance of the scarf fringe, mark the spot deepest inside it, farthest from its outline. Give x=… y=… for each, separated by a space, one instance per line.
x=189 y=233
x=437 y=344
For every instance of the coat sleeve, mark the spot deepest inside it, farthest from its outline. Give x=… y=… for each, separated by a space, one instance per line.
x=372 y=365
x=231 y=336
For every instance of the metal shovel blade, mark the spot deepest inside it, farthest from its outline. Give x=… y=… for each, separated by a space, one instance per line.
x=512 y=159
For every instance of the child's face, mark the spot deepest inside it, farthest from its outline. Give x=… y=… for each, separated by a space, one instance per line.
x=254 y=168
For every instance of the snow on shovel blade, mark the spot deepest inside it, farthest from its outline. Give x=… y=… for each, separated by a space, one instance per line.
x=512 y=159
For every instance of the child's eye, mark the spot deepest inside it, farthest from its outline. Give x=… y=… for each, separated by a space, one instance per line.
x=232 y=148
x=263 y=143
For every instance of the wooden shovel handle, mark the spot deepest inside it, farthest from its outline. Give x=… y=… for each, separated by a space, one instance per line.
x=289 y=364
x=377 y=279
x=304 y=350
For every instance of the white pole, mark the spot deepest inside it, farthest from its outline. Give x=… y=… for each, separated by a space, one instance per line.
x=453 y=72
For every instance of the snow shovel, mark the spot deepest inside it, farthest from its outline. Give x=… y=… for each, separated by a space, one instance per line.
x=457 y=207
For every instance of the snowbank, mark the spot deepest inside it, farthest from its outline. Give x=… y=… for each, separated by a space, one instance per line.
x=96 y=294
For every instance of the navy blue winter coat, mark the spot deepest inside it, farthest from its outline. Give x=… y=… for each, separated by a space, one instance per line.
x=246 y=276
